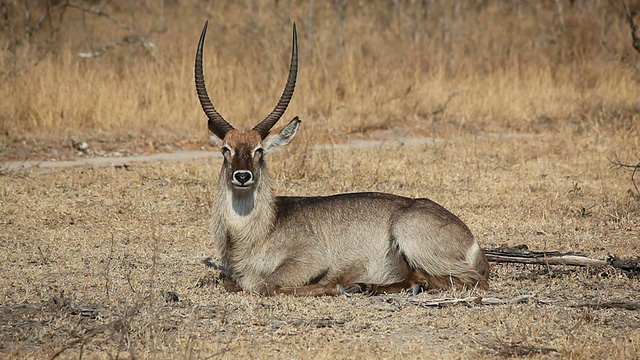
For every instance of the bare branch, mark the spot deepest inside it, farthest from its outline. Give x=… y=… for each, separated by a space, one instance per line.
x=105 y=4
x=635 y=32
x=45 y=16
x=443 y=106
x=497 y=163
x=149 y=46
x=32 y=29
x=560 y=15
x=634 y=169
x=310 y=28
x=104 y=48
x=623 y=58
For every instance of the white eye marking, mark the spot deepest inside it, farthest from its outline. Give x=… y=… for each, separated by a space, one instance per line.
x=257 y=148
x=226 y=148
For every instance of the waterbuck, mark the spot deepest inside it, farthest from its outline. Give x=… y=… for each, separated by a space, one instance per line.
x=325 y=245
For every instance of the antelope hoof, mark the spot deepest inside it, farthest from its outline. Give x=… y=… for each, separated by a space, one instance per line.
x=360 y=288
x=416 y=289
x=230 y=285
x=343 y=291
x=353 y=289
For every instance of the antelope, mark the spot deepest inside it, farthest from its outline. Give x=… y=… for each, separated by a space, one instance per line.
x=325 y=245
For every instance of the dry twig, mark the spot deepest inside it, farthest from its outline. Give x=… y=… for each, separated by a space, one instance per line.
x=633 y=167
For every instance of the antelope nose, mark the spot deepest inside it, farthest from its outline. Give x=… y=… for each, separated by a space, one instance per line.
x=242 y=177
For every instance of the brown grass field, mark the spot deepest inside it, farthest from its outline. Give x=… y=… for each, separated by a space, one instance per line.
x=527 y=103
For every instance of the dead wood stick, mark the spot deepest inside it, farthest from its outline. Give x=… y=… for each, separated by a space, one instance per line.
x=508 y=255
x=521 y=256
x=471 y=300
x=626 y=305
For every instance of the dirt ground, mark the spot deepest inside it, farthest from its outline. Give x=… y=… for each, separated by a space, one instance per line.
x=116 y=261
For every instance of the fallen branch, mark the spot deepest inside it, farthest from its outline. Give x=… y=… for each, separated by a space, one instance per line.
x=525 y=256
x=626 y=305
x=520 y=299
x=520 y=256
x=508 y=350
x=471 y=300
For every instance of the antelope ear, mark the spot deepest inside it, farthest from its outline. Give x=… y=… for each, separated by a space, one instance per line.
x=216 y=141
x=282 y=136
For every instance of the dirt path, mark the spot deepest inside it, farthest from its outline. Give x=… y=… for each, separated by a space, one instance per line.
x=381 y=138
x=46 y=166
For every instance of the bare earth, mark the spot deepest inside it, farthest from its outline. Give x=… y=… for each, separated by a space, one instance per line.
x=115 y=261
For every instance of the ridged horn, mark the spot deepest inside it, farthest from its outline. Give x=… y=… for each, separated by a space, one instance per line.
x=217 y=124
x=265 y=125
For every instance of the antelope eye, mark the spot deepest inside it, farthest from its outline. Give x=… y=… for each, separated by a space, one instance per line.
x=258 y=151
x=225 y=150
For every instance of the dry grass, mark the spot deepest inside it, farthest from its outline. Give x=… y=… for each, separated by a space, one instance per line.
x=93 y=259
x=121 y=243
x=510 y=66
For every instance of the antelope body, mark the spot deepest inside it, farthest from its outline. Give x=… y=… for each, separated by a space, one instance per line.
x=326 y=245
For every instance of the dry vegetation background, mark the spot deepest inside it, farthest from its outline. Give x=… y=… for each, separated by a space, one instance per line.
x=527 y=102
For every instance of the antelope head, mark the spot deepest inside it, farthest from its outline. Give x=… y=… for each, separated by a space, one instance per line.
x=244 y=151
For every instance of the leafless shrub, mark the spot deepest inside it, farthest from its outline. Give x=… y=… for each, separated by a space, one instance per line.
x=27 y=42
x=635 y=42
x=623 y=56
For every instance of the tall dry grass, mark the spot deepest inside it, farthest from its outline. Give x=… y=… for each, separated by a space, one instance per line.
x=503 y=66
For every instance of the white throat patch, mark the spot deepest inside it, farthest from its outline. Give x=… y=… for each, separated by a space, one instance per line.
x=243 y=205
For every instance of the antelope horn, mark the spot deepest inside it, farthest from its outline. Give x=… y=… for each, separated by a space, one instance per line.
x=265 y=125
x=217 y=124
